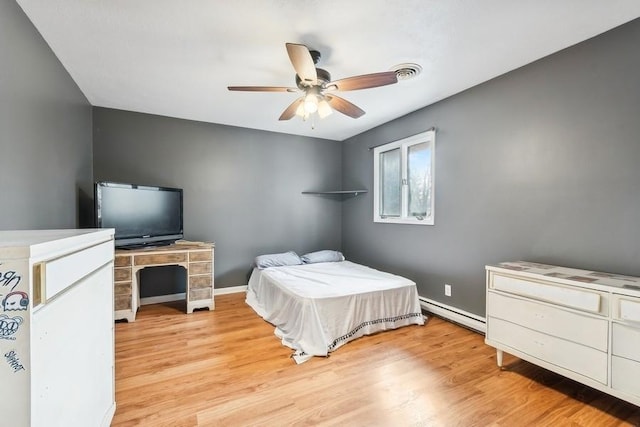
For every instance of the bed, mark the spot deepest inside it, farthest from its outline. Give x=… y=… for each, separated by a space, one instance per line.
x=318 y=307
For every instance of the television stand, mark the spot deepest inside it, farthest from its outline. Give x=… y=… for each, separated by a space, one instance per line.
x=195 y=257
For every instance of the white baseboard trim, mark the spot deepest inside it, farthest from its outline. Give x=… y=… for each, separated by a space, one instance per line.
x=464 y=318
x=162 y=298
x=181 y=296
x=230 y=290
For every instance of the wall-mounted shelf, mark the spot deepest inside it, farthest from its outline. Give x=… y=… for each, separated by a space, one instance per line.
x=339 y=192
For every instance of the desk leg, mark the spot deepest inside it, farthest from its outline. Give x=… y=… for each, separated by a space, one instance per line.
x=135 y=292
x=129 y=314
x=192 y=305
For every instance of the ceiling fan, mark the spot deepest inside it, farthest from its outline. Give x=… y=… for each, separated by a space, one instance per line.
x=317 y=88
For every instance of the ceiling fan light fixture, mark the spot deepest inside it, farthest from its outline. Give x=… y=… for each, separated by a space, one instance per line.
x=300 y=111
x=311 y=103
x=324 y=109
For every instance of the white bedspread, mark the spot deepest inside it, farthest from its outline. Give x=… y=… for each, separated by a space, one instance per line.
x=317 y=308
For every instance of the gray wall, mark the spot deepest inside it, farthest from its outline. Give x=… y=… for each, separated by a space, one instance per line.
x=540 y=164
x=45 y=132
x=242 y=188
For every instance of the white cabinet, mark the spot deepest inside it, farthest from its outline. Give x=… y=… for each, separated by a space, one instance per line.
x=582 y=324
x=56 y=327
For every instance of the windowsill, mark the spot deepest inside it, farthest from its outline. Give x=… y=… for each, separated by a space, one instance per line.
x=426 y=221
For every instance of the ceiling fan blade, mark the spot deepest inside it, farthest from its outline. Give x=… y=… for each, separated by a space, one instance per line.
x=290 y=111
x=344 y=106
x=364 y=81
x=303 y=63
x=262 y=88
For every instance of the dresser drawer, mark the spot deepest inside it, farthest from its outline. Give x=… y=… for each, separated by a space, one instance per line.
x=580 y=359
x=625 y=341
x=581 y=329
x=63 y=272
x=624 y=375
x=567 y=296
x=626 y=308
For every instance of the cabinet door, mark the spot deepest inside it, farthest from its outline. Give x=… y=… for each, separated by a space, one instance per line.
x=73 y=355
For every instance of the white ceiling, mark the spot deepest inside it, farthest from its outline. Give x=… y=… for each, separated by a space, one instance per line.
x=176 y=58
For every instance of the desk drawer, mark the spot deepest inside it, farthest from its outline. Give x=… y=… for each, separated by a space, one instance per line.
x=199 y=267
x=580 y=359
x=551 y=320
x=122 y=261
x=123 y=288
x=122 y=302
x=200 y=294
x=197 y=282
x=164 y=259
x=122 y=274
x=201 y=256
x=567 y=296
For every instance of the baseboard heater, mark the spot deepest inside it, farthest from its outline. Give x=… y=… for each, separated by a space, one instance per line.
x=454 y=314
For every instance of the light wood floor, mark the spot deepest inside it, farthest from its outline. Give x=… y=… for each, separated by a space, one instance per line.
x=227 y=368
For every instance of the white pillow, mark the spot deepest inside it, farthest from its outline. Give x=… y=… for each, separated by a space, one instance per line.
x=277 y=260
x=322 y=256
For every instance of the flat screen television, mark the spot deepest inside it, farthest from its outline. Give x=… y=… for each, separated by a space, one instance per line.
x=141 y=215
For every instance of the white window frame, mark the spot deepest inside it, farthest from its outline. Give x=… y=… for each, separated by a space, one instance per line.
x=404 y=144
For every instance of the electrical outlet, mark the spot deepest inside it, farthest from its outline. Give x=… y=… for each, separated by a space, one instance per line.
x=447 y=290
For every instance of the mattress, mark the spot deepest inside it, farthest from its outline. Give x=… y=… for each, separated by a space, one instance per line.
x=317 y=308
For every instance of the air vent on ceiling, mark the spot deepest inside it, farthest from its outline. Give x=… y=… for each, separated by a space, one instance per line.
x=406 y=71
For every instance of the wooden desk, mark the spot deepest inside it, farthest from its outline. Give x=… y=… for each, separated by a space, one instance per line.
x=196 y=257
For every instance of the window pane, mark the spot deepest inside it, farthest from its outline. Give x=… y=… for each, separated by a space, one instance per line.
x=419 y=177
x=390 y=183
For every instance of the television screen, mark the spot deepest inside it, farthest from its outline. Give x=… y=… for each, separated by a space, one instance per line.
x=141 y=215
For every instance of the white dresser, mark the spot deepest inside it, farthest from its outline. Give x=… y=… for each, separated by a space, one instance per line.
x=56 y=328
x=582 y=324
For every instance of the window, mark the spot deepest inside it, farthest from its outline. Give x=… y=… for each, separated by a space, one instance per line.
x=403 y=174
